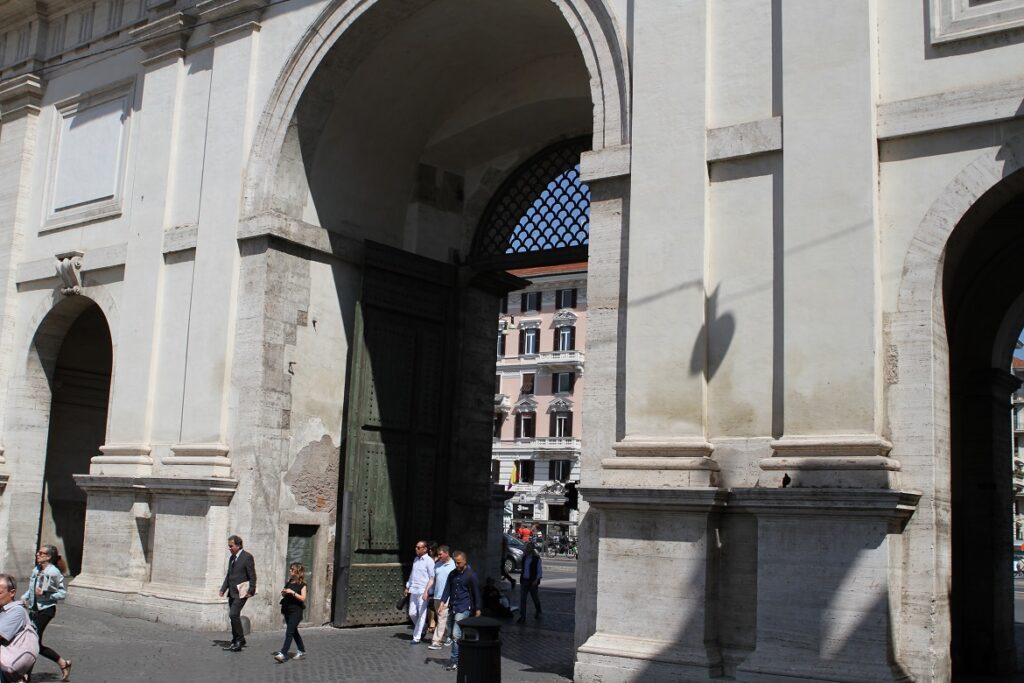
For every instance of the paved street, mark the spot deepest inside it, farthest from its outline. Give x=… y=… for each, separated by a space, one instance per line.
x=106 y=648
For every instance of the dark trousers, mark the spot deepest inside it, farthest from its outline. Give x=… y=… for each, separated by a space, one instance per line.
x=528 y=587
x=235 y=606
x=41 y=619
x=291 y=630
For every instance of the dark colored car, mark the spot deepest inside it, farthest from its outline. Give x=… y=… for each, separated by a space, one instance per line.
x=513 y=560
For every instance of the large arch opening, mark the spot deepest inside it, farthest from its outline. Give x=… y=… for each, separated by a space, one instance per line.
x=416 y=119
x=982 y=295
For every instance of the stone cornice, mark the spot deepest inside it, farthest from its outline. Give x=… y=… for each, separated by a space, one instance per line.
x=20 y=96
x=894 y=504
x=695 y=499
x=215 y=487
x=165 y=38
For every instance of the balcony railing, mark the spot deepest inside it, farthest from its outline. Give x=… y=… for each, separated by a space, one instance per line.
x=540 y=446
x=568 y=359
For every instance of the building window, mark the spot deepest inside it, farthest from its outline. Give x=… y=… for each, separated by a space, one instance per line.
x=562 y=382
x=526 y=471
x=529 y=301
x=503 y=305
x=529 y=379
x=528 y=341
x=560 y=470
x=499 y=420
x=495 y=472
x=565 y=298
x=526 y=425
x=561 y=425
x=565 y=338
x=501 y=344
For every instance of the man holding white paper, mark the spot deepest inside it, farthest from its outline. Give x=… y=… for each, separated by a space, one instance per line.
x=239 y=585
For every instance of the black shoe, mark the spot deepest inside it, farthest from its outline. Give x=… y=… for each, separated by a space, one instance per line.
x=230 y=645
x=242 y=642
x=235 y=647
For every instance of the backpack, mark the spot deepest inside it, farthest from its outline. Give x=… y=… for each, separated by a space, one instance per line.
x=19 y=656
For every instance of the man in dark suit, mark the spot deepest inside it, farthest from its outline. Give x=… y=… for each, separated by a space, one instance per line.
x=241 y=569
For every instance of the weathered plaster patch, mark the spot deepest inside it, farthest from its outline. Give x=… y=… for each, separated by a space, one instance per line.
x=313 y=477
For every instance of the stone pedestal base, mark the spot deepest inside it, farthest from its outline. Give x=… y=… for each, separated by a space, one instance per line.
x=656 y=587
x=166 y=604
x=126 y=517
x=824 y=610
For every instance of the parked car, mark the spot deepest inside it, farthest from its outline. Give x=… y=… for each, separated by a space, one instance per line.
x=513 y=560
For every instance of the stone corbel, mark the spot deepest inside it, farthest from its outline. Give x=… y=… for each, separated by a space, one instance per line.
x=831 y=461
x=69 y=269
x=657 y=462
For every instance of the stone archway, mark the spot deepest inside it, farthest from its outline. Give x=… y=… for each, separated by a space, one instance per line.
x=918 y=390
x=56 y=421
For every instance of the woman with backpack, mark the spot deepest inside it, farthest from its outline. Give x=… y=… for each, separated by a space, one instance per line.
x=45 y=589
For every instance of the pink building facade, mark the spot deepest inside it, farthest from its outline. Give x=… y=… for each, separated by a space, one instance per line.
x=538 y=392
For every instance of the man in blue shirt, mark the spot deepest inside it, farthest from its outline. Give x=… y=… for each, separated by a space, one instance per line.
x=462 y=592
x=533 y=572
x=444 y=566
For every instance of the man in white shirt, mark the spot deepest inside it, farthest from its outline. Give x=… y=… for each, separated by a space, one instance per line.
x=421 y=580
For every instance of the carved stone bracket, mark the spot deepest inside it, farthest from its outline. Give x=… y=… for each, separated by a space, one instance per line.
x=69 y=269
x=165 y=38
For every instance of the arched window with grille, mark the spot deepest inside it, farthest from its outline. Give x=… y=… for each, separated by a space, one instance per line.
x=540 y=215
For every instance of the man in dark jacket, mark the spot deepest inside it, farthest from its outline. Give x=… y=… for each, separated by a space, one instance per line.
x=463 y=592
x=241 y=573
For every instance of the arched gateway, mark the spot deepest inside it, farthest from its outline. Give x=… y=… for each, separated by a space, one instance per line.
x=390 y=138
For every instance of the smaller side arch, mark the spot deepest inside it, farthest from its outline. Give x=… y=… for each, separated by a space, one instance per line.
x=917 y=393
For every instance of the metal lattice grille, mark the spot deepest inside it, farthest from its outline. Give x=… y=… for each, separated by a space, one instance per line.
x=543 y=206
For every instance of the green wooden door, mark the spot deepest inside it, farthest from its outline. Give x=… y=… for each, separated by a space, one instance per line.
x=398 y=417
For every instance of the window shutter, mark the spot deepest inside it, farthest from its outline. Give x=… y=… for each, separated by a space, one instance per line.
x=572 y=381
x=554 y=425
x=531 y=431
x=573 y=296
x=522 y=341
x=572 y=338
x=554 y=382
x=568 y=425
x=519 y=426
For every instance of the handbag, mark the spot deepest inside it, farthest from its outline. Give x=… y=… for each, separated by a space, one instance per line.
x=402 y=602
x=19 y=656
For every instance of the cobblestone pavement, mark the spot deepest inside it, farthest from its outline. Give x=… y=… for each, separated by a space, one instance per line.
x=107 y=648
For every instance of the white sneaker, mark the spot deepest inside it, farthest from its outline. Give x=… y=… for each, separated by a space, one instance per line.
x=299 y=655
x=280 y=656
x=434 y=646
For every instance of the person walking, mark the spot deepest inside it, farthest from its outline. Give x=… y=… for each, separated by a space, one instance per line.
x=421 y=580
x=46 y=588
x=443 y=567
x=529 y=581
x=13 y=617
x=239 y=585
x=504 y=554
x=462 y=591
x=293 y=602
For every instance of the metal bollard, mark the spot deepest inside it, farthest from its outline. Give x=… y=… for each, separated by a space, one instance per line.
x=480 y=651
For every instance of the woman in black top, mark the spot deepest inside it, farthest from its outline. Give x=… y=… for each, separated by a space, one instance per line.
x=293 y=601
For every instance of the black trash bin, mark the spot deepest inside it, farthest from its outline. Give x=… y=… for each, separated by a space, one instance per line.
x=480 y=651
